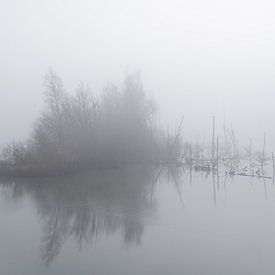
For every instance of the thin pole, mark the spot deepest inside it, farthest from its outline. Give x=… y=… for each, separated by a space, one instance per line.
x=263 y=153
x=250 y=155
x=265 y=189
x=190 y=162
x=190 y=156
x=218 y=161
x=217 y=152
x=273 y=166
x=213 y=141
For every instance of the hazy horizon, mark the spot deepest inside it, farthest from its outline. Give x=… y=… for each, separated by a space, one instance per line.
x=109 y=182
x=197 y=58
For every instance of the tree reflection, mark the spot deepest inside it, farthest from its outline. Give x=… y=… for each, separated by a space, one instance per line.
x=89 y=204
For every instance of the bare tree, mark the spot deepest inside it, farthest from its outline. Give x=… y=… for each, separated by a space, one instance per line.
x=15 y=153
x=55 y=99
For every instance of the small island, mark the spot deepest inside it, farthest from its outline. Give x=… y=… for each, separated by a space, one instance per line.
x=80 y=131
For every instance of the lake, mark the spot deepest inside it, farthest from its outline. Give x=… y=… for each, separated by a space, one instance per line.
x=137 y=220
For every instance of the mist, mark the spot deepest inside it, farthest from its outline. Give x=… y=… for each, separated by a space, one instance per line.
x=199 y=58
x=136 y=137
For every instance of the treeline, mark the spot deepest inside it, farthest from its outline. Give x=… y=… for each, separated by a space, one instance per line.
x=81 y=130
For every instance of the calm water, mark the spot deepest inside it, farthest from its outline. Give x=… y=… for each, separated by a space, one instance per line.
x=137 y=221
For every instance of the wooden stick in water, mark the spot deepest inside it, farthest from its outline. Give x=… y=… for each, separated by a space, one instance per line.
x=213 y=141
x=263 y=152
x=250 y=156
x=218 y=155
x=273 y=166
x=190 y=156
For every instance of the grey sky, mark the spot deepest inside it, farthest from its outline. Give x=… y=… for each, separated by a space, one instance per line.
x=196 y=57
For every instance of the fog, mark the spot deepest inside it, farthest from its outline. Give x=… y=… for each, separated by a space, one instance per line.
x=137 y=137
x=197 y=58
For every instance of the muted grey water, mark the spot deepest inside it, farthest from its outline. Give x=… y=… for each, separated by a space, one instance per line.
x=137 y=220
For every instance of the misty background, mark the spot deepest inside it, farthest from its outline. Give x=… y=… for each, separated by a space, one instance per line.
x=197 y=58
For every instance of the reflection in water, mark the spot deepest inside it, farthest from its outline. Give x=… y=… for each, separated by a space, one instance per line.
x=87 y=205
x=174 y=174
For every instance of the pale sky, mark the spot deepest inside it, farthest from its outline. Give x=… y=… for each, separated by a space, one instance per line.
x=198 y=58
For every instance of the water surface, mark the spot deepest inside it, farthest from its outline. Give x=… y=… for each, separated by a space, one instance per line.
x=137 y=220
